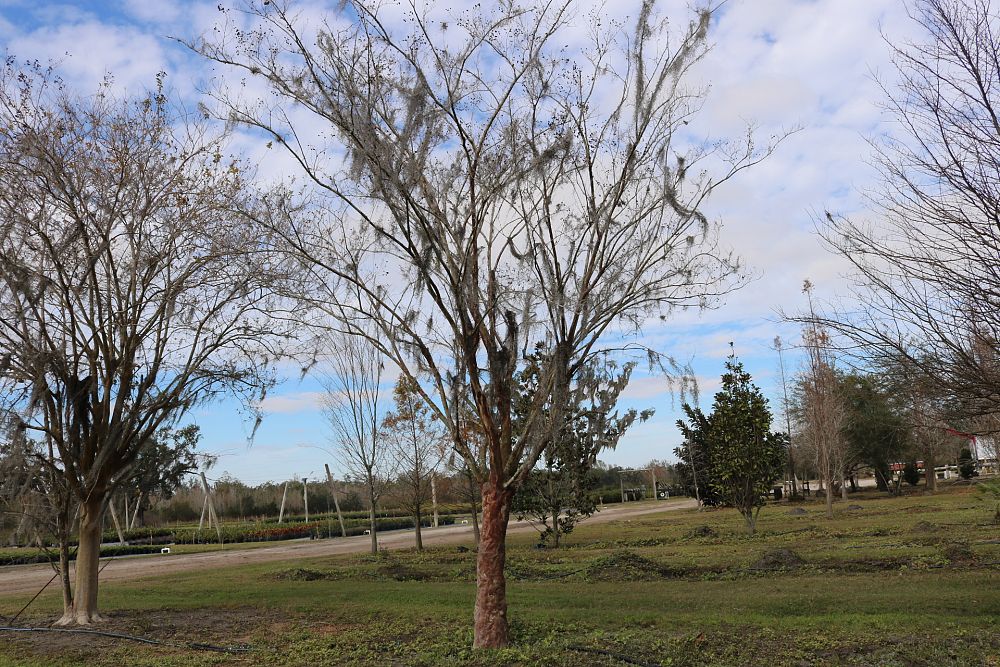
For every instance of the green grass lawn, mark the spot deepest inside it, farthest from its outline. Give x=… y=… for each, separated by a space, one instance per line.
x=901 y=581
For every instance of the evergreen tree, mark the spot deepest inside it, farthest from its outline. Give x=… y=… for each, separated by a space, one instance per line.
x=694 y=466
x=747 y=457
x=966 y=464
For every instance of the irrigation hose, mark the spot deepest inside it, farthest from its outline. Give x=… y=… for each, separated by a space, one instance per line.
x=143 y=640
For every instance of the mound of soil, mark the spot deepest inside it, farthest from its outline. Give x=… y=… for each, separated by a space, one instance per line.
x=301 y=574
x=625 y=566
x=797 y=511
x=958 y=552
x=702 y=531
x=400 y=572
x=776 y=559
x=855 y=507
x=924 y=527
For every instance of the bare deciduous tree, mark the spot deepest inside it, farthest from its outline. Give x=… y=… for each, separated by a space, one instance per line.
x=126 y=291
x=419 y=444
x=928 y=268
x=486 y=188
x=352 y=378
x=823 y=412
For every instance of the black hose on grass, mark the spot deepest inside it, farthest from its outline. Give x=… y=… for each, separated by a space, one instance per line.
x=14 y=617
x=143 y=640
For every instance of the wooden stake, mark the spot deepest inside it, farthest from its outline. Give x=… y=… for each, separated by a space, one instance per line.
x=336 y=503
x=305 y=496
x=118 y=526
x=212 y=516
x=204 y=508
x=284 y=495
x=135 y=513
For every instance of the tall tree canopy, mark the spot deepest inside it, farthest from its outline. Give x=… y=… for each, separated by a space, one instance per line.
x=927 y=273
x=128 y=293
x=482 y=186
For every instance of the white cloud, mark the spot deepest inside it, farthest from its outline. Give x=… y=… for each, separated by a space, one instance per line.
x=304 y=401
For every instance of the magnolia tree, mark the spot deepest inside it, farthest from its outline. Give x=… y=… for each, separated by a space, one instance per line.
x=481 y=186
x=126 y=291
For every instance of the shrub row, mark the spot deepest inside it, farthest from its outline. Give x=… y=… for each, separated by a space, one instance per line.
x=266 y=532
x=32 y=556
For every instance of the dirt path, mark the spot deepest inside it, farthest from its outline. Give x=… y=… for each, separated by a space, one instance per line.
x=22 y=579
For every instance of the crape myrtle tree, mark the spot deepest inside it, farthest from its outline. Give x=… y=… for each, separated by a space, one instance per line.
x=37 y=496
x=747 y=457
x=927 y=274
x=482 y=186
x=127 y=296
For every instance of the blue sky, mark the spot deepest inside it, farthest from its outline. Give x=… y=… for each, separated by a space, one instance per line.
x=777 y=63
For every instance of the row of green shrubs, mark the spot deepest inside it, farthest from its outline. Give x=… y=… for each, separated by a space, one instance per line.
x=392 y=518
x=268 y=531
x=443 y=510
x=33 y=556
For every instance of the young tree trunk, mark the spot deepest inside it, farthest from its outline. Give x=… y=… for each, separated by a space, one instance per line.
x=67 y=588
x=843 y=488
x=555 y=512
x=491 y=628
x=416 y=529
x=371 y=517
x=751 y=521
x=930 y=475
x=434 y=499
x=475 y=521
x=88 y=554
x=829 y=498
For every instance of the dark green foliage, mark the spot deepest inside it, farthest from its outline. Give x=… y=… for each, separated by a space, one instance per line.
x=747 y=457
x=561 y=493
x=911 y=474
x=694 y=457
x=32 y=556
x=557 y=498
x=966 y=465
x=875 y=432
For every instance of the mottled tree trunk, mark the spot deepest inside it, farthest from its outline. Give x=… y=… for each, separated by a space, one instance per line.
x=83 y=610
x=491 y=628
x=930 y=475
